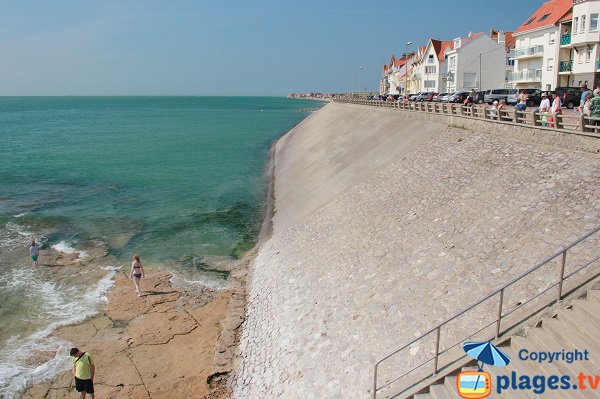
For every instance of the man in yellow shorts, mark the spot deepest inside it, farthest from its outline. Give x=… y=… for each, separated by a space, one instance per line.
x=83 y=371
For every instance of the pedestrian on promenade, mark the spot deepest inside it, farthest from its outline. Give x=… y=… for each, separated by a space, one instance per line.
x=83 y=371
x=555 y=109
x=137 y=272
x=494 y=110
x=522 y=105
x=595 y=107
x=544 y=108
x=585 y=94
x=469 y=101
x=34 y=252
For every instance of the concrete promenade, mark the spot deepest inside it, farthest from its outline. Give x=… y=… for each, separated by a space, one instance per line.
x=386 y=225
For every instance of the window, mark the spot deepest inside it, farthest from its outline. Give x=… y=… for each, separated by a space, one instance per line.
x=543 y=18
x=548 y=87
x=451 y=63
x=582 y=24
x=575 y=24
x=430 y=84
x=552 y=37
x=588 y=54
x=469 y=80
x=530 y=21
x=580 y=57
x=550 y=64
x=509 y=62
x=593 y=22
x=430 y=59
x=429 y=69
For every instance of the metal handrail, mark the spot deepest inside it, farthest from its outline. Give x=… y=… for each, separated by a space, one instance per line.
x=500 y=291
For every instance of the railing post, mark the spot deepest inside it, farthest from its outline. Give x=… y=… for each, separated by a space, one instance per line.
x=562 y=275
x=499 y=313
x=437 y=350
x=374 y=395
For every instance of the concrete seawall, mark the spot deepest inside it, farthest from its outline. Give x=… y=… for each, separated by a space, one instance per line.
x=385 y=225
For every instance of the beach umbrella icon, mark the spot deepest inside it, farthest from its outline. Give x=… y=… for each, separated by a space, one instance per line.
x=487 y=353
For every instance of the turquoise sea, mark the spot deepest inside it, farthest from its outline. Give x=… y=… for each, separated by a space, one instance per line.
x=178 y=180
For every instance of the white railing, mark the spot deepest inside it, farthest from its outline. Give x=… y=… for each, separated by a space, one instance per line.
x=532 y=75
x=532 y=51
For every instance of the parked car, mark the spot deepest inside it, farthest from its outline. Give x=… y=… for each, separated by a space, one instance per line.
x=424 y=96
x=480 y=95
x=513 y=96
x=436 y=97
x=570 y=96
x=495 y=94
x=458 y=97
x=413 y=97
x=443 y=98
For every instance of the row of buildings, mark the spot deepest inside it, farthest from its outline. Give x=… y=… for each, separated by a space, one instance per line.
x=558 y=45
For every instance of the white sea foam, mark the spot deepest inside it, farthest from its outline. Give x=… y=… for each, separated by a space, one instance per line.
x=20 y=215
x=66 y=248
x=57 y=305
x=13 y=235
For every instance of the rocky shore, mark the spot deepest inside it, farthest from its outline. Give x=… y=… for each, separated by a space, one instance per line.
x=175 y=341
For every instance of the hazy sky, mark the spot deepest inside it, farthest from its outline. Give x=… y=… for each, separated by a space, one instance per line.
x=205 y=47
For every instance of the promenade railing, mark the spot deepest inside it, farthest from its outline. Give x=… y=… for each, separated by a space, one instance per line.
x=439 y=349
x=568 y=123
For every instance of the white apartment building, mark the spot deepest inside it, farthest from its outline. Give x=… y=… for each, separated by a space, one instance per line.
x=432 y=69
x=579 y=53
x=537 y=47
x=474 y=63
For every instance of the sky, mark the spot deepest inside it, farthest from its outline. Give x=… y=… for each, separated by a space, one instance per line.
x=230 y=48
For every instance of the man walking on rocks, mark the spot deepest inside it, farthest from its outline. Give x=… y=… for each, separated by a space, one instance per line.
x=83 y=372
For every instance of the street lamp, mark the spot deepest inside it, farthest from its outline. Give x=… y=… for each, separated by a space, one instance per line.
x=406 y=70
x=361 y=69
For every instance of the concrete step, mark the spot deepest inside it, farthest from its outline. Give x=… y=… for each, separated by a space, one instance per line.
x=593 y=295
x=450 y=384
x=569 y=338
x=587 y=327
x=588 y=308
x=439 y=391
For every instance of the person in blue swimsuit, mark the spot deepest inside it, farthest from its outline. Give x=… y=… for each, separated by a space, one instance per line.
x=137 y=273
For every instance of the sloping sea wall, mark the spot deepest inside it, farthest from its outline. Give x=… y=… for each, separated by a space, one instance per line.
x=386 y=225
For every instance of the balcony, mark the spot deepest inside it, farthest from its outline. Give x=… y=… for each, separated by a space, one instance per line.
x=526 y=76
x=565 y=66
x=565 y=39
x=529 y=52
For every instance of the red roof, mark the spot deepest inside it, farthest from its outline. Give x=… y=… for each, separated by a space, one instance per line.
x=567 y=17
x=440 y=46
x=399 y=62
x=509 y=39
x=547 y=15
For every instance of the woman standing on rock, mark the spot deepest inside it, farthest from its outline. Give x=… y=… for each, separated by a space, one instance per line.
x=137 y=272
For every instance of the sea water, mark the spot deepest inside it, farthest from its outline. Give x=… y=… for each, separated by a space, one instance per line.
x=178 y=180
